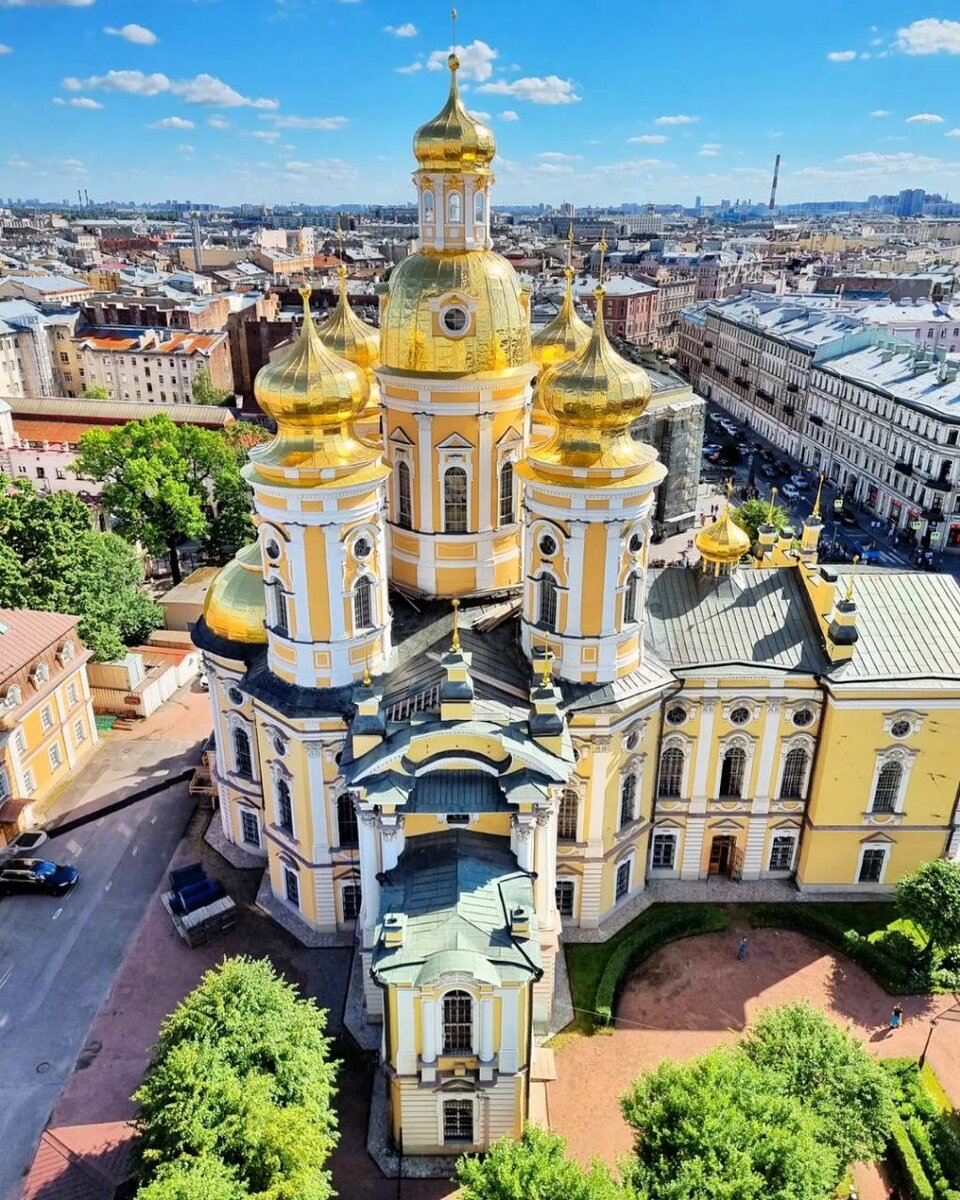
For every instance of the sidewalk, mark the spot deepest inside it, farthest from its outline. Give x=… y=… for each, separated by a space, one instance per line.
x=157 y=749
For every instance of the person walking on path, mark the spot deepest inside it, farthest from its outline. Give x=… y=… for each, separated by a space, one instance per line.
x=742 y=950
x=896 y=1017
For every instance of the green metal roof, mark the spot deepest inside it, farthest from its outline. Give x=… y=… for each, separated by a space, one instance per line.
x=457 y=792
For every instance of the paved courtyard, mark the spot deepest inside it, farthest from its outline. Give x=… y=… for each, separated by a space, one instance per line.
x=694 y=995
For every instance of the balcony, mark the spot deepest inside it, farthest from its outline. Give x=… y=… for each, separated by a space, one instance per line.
x=815 y=420
x=708 y=344
x=934 y=513
x=903 y=468
x=792 y=387
x=722 y=370
x=790 y=409
x=765 y=396
x=739 y=379
x=938 y=485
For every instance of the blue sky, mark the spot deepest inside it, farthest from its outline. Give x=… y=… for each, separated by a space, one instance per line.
x=619 y=100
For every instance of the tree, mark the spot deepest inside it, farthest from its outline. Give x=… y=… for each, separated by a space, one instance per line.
x=51 y=559
x=160 y=481
x=241 y=1075
x=203 y=1178
x=95 y=391
x=204 y=390
x=751 y=514
x=810 y=1059
x=534 y=1168
x=930 y=897
x=714 y=1129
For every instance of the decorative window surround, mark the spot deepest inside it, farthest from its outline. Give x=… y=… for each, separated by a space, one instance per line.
x=913 y=719
x=905 y=759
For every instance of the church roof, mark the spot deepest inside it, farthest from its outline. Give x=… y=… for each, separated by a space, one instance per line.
x=456 y=890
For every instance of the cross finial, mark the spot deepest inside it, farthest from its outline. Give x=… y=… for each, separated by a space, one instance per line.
x=568 y=271
x=366 y=666
x=305 y=293
x=849 y=596
x=602 y=247
x=816 y=503
x=455 y=644
x=453 y=61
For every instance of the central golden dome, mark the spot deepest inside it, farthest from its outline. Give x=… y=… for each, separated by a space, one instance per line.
x=453 y=140
x=494 y=333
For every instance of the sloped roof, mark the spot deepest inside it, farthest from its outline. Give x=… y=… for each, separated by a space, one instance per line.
x=25 y=633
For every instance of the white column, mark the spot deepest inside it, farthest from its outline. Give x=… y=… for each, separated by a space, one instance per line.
x=766 y=766
x=611 y=570
x=487 y=496
x=698 y=799
x=593 y=858
x=318 y=804
x=509 y=1022
x=523 y=842
x=428 y=1029
x=486 y=1029
x=425 y=471
x=391 y=840
x=369 y=869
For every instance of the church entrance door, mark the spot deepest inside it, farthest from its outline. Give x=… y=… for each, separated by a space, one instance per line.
x=722 y=850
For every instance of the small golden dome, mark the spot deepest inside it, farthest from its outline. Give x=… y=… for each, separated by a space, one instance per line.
x=592 y=399
x=314 y=396
x=235 y=607
x=453 y=140
x=494 y=311
x=350 y=337
x=565 y=336
x=723 y=541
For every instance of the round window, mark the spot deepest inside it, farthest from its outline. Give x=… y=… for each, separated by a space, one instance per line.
x=676 y=715
x=901 y=729
x=454 y=319
x=235 y=695
x=280 y=746
x=548 y=546
x=362 y=547
x=803 y=717
x=635 y=543
x=273 y=550
x=740 y=715
x=630 y=741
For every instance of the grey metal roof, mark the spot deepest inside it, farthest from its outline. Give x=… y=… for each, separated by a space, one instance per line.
x=457 y=792
x=66 y=407
x=456 y=890
x=762 y=618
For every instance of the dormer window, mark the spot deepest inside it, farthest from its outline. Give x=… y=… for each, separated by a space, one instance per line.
x=13 y=696
x=67 y=651
x=41 y=673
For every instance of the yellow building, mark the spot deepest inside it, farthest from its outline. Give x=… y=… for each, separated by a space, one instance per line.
x=457 y=715
x=46 y=716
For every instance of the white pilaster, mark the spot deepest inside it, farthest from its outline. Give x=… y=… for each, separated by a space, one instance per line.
x=428 y=1029
x=391 y=840
x=406 y=1047
x=488 y=496
x=698 y=800
x=425 y=470
x=334 y=556
x=692 y=848
x=522 y=841
x=541 y=857
x=369 y=869
x=509 y=1029
x=756 y=840
x=486 y=1029
x=575 y=545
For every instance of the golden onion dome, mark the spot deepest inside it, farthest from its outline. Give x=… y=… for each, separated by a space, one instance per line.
x=348 y=336
x=723 y=541
x=235 y=607
x=314 y=396
x=453 y=140
x=491 y=332
x=592 y=400
x=565 y=336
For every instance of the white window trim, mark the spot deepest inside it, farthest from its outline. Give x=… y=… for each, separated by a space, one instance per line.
x=674 y=835
x=461 y=457
x=913 y=718
x=574 y=881
x=793 y=837
x=235 y=721
x=675 y=741
x=746 y=702
x=343 y=884
x=799 y=741
x=244 y=810
x=474 y=1020
x=748 y=744
x=441 y=1098
x=865 y=846
x=898 y=754
x=403 y=454
x=278 y=771
x=630 y=861
x=287 y=872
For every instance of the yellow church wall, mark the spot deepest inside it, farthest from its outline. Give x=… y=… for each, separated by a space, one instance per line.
x=829 y=859
x=403 y=573
x=417 y=824
x=594 y=574
x=315 y=556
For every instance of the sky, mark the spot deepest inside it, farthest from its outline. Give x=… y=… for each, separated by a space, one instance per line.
x=316 y=101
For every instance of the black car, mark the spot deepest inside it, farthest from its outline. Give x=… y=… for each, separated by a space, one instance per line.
x=36 y=875
x=768 y=471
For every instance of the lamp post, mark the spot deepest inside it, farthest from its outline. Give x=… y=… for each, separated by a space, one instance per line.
x=926 y=1044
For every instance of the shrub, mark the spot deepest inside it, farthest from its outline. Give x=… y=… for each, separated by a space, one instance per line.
x=918 y=1185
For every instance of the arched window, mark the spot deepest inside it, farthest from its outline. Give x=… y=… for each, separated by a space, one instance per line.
x=455 y=500
x=457 y=1023
x=347 y=832
x=455 y=208
x=478 y=207
x=428 y=208
x=242 y=758
x=794 y=770
x=630 y=599
x=567 y=816
x=628 y=800
x=887 y=791
x=404 y=496
x=281 y=616
x=363 y=603
x=670 y=779
x=548 y=602
x=284 y=806
x=506 y=494
x=732 y=772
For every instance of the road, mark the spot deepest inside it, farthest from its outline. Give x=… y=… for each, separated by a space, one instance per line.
x=59 y=956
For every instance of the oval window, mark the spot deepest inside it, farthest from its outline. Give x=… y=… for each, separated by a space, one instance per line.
x=900 y=729
x=740 y=715
x=635 y=543
x=803 y=717
x=454 y=319
x=235 y=695
x=676 y=715
x=362 y=547
x=548 y=546
x=273 y=550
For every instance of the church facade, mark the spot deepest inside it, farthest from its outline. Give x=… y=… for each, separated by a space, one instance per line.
x=457 y=713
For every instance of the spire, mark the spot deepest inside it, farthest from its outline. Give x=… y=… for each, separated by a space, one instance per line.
x=849 y=594
x=773 y=496
x=816 y=503
x=455 y=644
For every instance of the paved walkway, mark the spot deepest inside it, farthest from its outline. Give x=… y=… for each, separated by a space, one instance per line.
x=694 y=995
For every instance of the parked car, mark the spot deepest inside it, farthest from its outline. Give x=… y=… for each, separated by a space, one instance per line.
x=710 y=448
x=768 y=471
x=790 y=492
x=800 y=481
x=783 y=466
x=846 y=517
x=37 y=875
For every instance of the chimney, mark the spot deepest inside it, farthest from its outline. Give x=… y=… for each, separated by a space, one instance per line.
x=370 y=723
x=842 y=628
x=520 y=922
x=394 y=930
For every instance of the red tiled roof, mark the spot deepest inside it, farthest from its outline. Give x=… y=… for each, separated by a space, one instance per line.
x=54 y=431
x=80 y=1162
x=25 y=633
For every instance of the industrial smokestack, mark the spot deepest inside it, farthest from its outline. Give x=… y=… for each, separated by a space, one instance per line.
x=773 y=189
x=197 y=245
x=79 y=200
x=86 y=196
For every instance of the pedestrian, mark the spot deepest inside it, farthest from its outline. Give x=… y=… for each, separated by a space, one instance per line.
x=742 y=950
x=896 y=1017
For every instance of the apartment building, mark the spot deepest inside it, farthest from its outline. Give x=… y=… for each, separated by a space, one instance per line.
x=675 y=291
x=722 y=273
x=155 y=366
x=44 y=289
x=629 y=307
x=25 y=366
x=196 y=313
x=933 y=324
x=883 y=424
x=47 y=726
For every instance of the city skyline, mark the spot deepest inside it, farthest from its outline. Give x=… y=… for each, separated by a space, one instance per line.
x=616 y=109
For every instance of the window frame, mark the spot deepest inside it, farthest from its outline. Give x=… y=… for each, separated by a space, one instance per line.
x=283 y=800
x=404 y=494
x=872 y=848
x=793 y=777
x=568 y=815
x=892 y=794
x=664 y=837
x=292 y=894
x=242 y=752
x=625 y=866
x=363 y=604
x=548 y=602
x=463 y=1106
x=631 y=595
x=733 y=754
x=783 y=838
x=347 y=819
x=452 y=505
x=351 y=886
x=628 y=799
x=457 y=1021
x=507 y=494
x=681 y=768
x=245 y=815
x=569 y=888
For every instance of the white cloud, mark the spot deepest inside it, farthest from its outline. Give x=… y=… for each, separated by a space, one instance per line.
x=333 y=168
x=509 y=115
x=929 y=36
x=85 y=102
x=411 y=70
x=630 y=166
x=841 y=55
x=59 y=100
x=679 y=119
x=18 y=163
x=202 y=89
x=140 y=35
x=267 y=135
x=552 y=168
x=479 y=114
x=218 y=122
x=650 y=139
x=408 y=29
x=326 y=123
x=903 y=158
x=183 y=148
x=559 y=156
x=172 y=123
x=476 y=60
x=710 y=149
x=880 y=112
x=5 y=49
x=48 y=166
x=548 y=90
x=952 y=133
x=925 y=119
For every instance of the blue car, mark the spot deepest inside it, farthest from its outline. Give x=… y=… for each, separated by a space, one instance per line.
x=36 y=875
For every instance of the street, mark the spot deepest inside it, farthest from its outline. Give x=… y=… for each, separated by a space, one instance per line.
x=59 y=956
